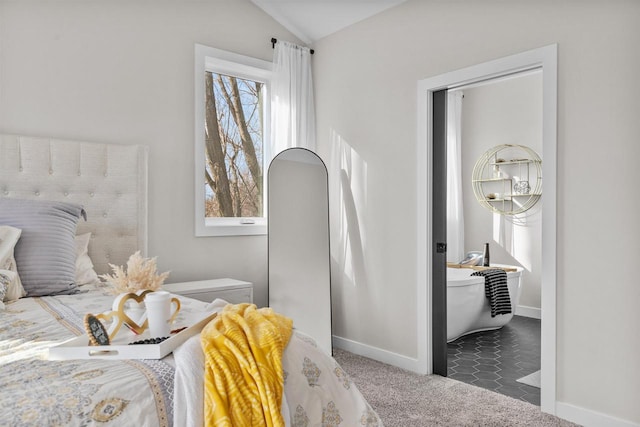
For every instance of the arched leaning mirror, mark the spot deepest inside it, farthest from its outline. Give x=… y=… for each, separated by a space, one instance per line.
x=298 y=224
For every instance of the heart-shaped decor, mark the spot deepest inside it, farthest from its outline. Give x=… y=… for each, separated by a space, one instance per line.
x=138 y=326
x=111 y=321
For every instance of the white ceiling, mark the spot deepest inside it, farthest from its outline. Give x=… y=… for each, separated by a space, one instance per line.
x=311 y=20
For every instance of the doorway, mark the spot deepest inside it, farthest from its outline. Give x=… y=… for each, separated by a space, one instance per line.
x=430 y=343
x=501 y=116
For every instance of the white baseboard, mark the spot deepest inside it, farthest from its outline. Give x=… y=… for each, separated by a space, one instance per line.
x=589 y=418
x=533 y=312
x=378 y=354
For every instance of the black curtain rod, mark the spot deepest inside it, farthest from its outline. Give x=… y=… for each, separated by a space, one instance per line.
x=274 y=41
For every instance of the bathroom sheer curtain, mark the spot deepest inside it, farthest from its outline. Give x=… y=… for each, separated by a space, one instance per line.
x=292 y=109
x=455 y=216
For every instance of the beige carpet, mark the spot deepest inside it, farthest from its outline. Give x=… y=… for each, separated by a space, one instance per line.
x=405 y=399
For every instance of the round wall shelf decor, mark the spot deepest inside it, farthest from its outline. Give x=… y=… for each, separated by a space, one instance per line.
x=507 y=179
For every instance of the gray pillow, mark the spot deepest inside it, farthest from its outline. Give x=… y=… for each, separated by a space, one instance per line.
x=45 y=254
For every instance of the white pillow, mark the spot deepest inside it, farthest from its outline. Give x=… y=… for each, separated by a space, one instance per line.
x=85 y=273
x=8 y=238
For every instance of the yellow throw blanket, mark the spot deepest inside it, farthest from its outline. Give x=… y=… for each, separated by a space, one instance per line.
x=244 y=381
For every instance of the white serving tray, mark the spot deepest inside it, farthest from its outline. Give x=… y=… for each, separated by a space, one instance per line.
x=79 y=348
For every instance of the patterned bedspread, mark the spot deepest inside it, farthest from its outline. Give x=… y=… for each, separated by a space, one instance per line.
x=318 y=392
x=37 y=392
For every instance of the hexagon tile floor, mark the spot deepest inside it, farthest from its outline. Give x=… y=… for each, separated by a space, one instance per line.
x=494 y=360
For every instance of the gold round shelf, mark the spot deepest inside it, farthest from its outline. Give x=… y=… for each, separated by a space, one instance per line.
x=507 y=179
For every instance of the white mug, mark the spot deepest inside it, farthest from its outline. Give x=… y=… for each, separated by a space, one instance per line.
x=159 y=313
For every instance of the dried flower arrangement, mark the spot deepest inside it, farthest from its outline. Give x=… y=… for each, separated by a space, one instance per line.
x=140 y=275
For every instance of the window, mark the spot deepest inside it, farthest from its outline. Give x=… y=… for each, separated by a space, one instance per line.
x=232 y=142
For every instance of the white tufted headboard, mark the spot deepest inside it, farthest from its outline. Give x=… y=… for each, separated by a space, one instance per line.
x=108 y=180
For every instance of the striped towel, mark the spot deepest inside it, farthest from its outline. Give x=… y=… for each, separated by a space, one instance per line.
x=495 y=288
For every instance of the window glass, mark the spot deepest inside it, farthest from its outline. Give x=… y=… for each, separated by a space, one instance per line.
x=232 y=145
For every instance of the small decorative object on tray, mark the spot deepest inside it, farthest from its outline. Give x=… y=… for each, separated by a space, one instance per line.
x=175 y=331
x=96 y=331
x=149 y=341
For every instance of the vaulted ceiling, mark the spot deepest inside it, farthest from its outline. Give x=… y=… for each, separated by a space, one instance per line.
x=311 y=20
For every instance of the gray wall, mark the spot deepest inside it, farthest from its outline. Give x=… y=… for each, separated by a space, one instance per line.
x=123 y=72
x=366 y=103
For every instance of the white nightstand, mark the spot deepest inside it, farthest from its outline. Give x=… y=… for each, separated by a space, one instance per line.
x=230 y=290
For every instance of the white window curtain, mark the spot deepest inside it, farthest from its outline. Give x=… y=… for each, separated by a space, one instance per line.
x=455 y=216
x=292 y=109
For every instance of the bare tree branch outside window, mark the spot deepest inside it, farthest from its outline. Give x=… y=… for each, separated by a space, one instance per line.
x=234 y=146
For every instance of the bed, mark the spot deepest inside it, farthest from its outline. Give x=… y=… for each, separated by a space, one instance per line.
x=109 y=184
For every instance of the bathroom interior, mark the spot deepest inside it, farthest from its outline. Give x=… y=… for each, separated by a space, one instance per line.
x=494 y=196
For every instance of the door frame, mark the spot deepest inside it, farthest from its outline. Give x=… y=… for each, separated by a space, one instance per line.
x=545 y=59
